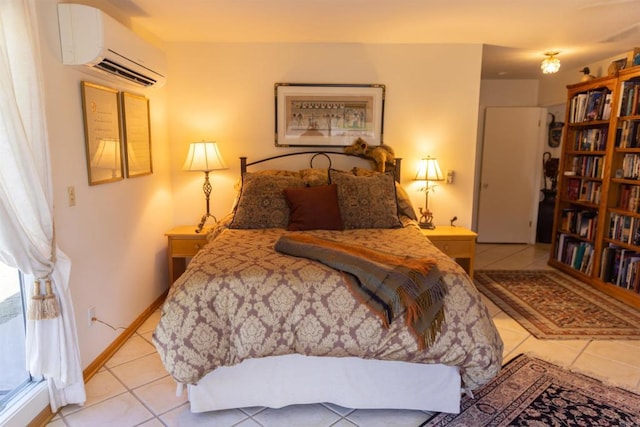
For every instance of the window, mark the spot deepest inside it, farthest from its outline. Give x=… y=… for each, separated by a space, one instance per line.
x=13 y=373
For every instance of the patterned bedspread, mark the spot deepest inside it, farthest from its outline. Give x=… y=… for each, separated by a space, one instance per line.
x=241 y=299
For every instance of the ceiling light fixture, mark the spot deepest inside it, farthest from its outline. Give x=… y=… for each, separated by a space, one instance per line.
x=550 y=64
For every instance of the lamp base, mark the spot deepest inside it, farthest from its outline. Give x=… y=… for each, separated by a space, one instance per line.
x=426 y=219
x=204 y=220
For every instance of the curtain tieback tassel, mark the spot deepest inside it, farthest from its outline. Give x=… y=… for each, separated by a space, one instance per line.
x=44 y=306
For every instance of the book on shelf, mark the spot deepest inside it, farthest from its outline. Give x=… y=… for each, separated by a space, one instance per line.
x=573 y=189
x=624 y=228
x=628 y=100
x=631 y=166
x=595 y=102
x=621 y=267
x=589 y=106
x=629 y=197
x=587 y=221
x=575 y=253
x=628 y=134
x=593 y=139
x=606 y=109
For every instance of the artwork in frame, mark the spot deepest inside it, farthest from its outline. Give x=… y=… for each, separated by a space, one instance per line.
x=137 y=136
x=101 y=115
x=328 y=114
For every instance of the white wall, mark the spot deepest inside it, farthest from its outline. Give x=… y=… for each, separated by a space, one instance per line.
x=114 y=235
x=224 y=92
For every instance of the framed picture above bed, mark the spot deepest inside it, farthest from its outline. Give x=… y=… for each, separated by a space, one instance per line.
x=320 y=115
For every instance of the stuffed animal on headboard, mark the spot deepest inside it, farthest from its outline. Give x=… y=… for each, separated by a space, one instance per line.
x=380 y=155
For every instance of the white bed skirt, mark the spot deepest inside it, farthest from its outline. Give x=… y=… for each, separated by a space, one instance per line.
x=350 y=382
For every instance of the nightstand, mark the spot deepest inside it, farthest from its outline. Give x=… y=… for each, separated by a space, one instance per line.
x=457 y=242
x=184 y=243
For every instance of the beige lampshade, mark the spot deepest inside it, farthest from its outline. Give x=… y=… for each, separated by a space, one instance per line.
x=204 y=157
x=429 y=170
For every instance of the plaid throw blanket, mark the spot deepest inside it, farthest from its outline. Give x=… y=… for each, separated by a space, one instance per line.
x=388 y=284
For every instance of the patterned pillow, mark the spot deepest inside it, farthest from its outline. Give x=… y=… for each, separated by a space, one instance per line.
x=405 y=207
x=366 y=201
x=262 y=203
x=272 y=172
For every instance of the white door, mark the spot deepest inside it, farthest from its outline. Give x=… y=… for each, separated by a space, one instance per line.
x=511 y=170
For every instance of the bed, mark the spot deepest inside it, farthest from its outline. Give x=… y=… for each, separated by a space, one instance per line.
x=248 y=325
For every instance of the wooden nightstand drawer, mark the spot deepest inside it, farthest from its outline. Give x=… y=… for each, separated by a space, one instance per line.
x=455 y=248
x=456 y=242
x=186 y=247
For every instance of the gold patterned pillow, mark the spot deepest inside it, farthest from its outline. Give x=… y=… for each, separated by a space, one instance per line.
x=405 y=207
x=366 y=201
x=262 y=203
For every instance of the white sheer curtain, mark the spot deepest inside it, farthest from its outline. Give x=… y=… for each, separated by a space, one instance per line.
x=27 y=237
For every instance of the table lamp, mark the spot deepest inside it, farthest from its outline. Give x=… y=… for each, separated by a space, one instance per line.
x=429 y=171
x=204 y=157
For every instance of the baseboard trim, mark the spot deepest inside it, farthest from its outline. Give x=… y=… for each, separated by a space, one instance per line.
x=103 y=357
x=45 y=416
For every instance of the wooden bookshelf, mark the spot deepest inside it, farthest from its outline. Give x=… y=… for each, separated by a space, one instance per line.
x=596 y=231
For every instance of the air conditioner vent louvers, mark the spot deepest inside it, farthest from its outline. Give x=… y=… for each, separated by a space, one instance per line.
x=125 y=72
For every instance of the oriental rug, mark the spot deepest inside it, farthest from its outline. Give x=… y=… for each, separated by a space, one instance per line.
x=552 y=305
x=532 y=392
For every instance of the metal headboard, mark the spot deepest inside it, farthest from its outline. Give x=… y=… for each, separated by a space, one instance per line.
x=327 y=154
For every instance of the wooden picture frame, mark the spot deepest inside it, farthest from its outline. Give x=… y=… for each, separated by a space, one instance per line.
x=101 y=113
x=137 y=136
x=320 y=115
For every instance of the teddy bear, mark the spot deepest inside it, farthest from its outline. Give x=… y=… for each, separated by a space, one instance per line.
x=380 y=155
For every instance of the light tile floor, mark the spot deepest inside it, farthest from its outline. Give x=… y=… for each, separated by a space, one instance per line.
x=133 y=389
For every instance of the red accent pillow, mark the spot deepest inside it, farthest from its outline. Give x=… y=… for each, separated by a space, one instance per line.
x=314 y=208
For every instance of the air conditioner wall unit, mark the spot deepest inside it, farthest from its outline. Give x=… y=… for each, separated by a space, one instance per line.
x=95 y=41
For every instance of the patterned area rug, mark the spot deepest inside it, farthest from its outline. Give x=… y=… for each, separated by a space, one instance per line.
x=531 y=392
x=551 y=305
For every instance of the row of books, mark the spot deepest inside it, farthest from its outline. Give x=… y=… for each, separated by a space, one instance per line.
x=620 y=267
x=592 y=105
x=629 y=98
x=629 y=198
x=624 y=228
x=589 y=166
x=579 y=221
x=592 y=139
x=575 y=253
x=584 y=190
x=628 y=134
x=631 y=166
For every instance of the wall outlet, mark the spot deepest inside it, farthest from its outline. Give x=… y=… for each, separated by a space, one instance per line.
x=91 y=316
x=450 y=174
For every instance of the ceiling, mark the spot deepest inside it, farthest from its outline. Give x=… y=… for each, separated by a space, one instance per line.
x=516 y=33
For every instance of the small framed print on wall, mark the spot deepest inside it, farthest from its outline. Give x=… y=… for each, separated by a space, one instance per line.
x=102 y=133
x=137 y=137
x=328 y=114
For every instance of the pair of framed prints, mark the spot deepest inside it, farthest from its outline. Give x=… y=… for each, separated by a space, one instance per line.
x=117 y=135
